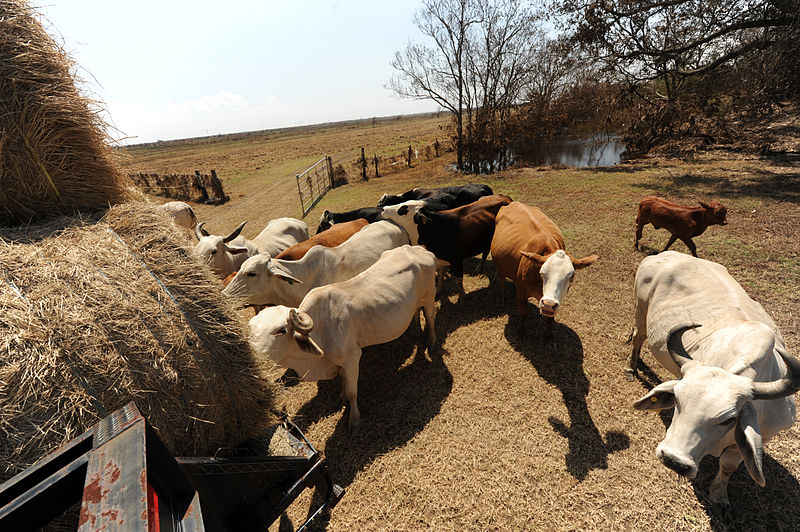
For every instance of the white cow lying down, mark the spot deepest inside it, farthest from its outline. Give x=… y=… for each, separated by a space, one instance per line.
x=324 y=336
x=181 y=212
x=735 y=381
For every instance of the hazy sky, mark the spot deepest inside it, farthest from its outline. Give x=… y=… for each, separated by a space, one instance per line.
x=172 y=69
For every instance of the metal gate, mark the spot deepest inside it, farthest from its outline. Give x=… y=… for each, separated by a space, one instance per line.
x=314 y=183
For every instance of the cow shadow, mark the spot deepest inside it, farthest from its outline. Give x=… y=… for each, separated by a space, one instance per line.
x=562 y=367
x=401 y=388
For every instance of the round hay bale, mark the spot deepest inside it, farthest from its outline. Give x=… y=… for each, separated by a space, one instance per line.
x=89 y=323
x=54 y=157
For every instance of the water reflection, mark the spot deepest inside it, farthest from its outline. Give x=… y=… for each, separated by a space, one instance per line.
x=600 y=150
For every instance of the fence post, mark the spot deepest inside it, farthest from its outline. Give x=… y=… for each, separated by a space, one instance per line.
x=436 y=147
x=375 y=160
x=330 y=169
x=363 y=165
x=300 y=193
x=409 y=156
x=216 y=185
x=204 y=198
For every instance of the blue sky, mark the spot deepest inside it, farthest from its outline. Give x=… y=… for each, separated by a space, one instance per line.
x=172 y=69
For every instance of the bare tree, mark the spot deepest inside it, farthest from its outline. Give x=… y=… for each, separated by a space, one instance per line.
x=438 y=72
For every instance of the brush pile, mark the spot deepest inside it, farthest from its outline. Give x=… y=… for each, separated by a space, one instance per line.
x=54 y=158
x=89 y=323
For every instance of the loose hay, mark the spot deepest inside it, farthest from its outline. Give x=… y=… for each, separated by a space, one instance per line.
x=53 y=152
x=85 y=328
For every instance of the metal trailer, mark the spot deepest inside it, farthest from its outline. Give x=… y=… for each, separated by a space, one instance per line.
x=125 y=479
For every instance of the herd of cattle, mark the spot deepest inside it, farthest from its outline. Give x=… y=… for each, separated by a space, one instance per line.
x=363 y=277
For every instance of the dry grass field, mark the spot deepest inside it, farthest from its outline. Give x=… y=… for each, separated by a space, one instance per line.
x=494 y=431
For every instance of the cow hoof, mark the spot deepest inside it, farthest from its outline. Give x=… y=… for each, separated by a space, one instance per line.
x=630 y=374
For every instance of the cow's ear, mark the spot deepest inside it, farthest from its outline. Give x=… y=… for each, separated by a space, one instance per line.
x=748 y=439
x=421 y=218
x=534 y=257
x=307 y=344
x=659 y=398
x=584 y=262
x=235 y=251
x=704 y=205
x=281 y=273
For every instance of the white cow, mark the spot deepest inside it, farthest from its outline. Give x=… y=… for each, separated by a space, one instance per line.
x=181 y=212
x=735 y=379
x=324 y=336
x=403 y=215
x=226 y=254
x=263 y=280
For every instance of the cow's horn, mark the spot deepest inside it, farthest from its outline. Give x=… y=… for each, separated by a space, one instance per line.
x=675 y=345
x=234 y=234
x=301 y=321
x=199 y=232
x=782 y=387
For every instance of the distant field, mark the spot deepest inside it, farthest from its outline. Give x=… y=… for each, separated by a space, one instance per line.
x=498 y=432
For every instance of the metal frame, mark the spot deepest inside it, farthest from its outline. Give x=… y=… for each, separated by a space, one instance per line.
x=125 y=479
x=313 y=183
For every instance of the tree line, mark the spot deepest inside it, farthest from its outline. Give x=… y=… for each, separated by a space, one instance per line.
x=510 y=70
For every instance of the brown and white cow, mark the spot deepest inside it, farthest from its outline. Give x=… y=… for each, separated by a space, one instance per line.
x=681 y=221
x=528 y=249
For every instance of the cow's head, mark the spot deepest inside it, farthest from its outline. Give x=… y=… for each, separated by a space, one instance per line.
x=283 y=334
x=715 y=212
x=390 y=199
x=713 y=408
x=404 y=215
x=215 y=250
x=325 y=221
x=259 y=280
x=557 y=271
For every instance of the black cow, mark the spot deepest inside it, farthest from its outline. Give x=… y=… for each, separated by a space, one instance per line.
x=328 y=218
x=452 y=235
x=440 y=198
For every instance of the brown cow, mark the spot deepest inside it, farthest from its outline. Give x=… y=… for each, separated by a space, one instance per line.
x=528 y=248
x=329 y=238
x=683 y=222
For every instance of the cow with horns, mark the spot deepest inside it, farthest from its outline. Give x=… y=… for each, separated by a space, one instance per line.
x=736 y=380
x=226 y=254
x=325 y=334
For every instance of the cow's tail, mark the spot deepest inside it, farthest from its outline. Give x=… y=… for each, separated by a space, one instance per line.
x=630 y=336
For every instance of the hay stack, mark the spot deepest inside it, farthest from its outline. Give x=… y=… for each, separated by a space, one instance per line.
x=53 y=152
x=85 y=328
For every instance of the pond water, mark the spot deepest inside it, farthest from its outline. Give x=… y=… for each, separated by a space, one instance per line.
x=599 y=150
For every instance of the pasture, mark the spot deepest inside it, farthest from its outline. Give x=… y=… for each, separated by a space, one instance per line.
x=494 y=431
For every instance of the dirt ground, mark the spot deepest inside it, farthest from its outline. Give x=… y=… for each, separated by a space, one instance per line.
x=496 y=431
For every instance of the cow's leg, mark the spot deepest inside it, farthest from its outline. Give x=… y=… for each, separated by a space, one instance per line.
x=349 y=373
x=429 y=311
x=672 y=239
x=479 y=269
x=639 y=227
x=729 y=461
x=638 y=336
x=690 y=244
x=458 y=272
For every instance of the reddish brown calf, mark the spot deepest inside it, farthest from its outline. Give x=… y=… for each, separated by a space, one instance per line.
x=682 y=221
